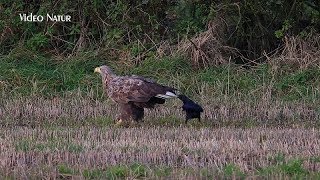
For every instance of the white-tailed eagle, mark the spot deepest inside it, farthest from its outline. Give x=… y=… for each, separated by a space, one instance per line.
x=134 y=93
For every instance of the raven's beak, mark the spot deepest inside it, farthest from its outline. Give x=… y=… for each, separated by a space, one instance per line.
x=97 y=69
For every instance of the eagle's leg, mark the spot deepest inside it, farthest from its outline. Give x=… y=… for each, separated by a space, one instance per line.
x=137 y=112
x=129 y=114
x=124 y=115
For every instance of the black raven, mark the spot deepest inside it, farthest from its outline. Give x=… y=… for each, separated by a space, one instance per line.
x=193 y=110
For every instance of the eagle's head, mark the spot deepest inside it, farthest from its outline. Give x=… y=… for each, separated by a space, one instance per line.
x=105 y=72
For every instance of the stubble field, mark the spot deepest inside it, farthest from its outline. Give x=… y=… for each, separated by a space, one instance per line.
x=74 y=137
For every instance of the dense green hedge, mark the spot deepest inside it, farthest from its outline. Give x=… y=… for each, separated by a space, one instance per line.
x=251 y=26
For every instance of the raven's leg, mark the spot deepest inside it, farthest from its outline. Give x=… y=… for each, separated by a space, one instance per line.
x=199 y=119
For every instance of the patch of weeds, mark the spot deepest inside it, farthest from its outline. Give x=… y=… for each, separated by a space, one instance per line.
x=53 y=144
x=297 y=85
x=25 y=69
x=40 y=147
x=278 y=159
x=92 y=174
x=231 y=170
x=185 y=150
x=23 y=145
x=138 y=170
x=267 y=171
x=207 y=174
x=64 y=170
x=75 y=148
x=315 y=159
x=315 y=175
x=250 y=123
x=99 y=122
x=117 y=172
x=163 y=171
x=293 y=168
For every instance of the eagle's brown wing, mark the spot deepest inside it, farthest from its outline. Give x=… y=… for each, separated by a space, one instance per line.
x=143 y=78
x=133 y=89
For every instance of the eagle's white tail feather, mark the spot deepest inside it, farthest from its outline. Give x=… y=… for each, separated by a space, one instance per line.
x=162 y=96
x=167 y=95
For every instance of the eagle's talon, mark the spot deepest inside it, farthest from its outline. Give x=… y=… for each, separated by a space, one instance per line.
x=119 y=122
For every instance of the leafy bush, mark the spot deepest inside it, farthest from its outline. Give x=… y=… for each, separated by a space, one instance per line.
x=253 y=27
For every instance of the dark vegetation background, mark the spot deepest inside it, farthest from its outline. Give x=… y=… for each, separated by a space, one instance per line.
x=240 y=44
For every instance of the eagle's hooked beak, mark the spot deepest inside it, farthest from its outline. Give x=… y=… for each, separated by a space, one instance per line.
x=97 y=69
